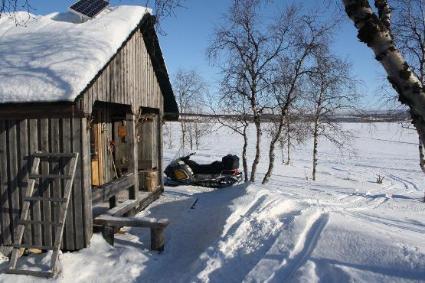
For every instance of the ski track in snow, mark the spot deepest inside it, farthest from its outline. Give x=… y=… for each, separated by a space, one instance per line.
x=344 y=227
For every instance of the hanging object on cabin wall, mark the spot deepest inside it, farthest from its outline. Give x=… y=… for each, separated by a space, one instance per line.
x=104 y=127
x=111 y=147
x=122 y=131
x=111 y=150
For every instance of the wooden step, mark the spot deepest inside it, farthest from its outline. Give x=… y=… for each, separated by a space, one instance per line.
x=30 y=222
x=39 y=176
x=44 y=199
x=123 y=208
x=45 y=274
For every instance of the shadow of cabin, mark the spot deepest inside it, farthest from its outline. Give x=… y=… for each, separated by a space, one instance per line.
x=115 y=124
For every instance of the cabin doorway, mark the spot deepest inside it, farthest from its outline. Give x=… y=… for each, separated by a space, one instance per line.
x=109 y=142
x=97 y=143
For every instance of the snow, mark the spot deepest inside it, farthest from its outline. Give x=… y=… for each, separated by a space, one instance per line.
x=344 y=227
x=54 y=57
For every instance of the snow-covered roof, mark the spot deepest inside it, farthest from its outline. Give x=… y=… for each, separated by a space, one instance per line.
x=54 y=57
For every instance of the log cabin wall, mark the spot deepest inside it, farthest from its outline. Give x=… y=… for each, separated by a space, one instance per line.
x=18 y=139
x=129 y=79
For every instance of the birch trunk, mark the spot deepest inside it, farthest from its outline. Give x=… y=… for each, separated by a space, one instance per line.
x=421 y=155
x=244 y=151
x=197 y=136
x=315 y=145
x=257 y=123
x=272 y=156
x=183 y=129
x=282 y=149
x=288 y=143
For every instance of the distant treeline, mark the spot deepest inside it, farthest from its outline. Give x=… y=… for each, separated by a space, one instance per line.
x=358 y=117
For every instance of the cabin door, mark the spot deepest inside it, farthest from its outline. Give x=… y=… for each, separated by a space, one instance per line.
x=97 y=144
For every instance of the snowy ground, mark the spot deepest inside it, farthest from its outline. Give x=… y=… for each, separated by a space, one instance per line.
x=342 y=228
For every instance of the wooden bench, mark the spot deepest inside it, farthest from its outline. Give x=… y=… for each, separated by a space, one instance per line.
x=112 y=220
x=110 y=223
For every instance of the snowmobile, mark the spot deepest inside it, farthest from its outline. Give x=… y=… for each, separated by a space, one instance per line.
x=218 y=174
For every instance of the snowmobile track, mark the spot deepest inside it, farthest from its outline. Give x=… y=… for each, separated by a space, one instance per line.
x=297 y=259
x=407 y=184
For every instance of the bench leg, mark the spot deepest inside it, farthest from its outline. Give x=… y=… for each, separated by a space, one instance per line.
x=112 y=202
x=108 y=234
x=131 y=213
x=157 y=239
x=132 y=194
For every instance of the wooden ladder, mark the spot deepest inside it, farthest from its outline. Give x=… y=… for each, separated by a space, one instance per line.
x=29 y=198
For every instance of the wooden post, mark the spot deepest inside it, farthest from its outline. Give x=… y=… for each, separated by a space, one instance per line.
x=157 y=239
x=160 y=148
x=112 y=202
x=108 y=234
x=132 y=193
x=133 y=155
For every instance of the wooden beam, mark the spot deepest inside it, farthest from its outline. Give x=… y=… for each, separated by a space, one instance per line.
x=39 y=110
x=116 y=221
x=106 y=191
x=123 y=208
x=133 y=158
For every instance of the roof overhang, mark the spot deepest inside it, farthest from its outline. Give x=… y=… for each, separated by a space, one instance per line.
x=152 y=44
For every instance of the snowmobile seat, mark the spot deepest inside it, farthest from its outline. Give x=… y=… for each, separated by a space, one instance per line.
x=213 y=168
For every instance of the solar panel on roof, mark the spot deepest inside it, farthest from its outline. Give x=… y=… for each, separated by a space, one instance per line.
x=89 y=8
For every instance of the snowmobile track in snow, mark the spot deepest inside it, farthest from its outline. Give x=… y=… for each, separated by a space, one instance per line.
x=302 y=250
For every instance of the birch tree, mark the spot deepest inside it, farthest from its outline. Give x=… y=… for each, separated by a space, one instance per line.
x=332 y=91
x=229 y=103
x=189 y=89
x=246 y=46
x=376 y=31
x=295 y=132
x=11 y=6
x=409 y=33
x=304 y=38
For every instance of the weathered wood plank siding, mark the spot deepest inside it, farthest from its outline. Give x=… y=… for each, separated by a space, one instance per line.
x=18 y=139
x=128 y=79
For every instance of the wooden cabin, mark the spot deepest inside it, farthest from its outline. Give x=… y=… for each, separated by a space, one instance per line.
x=98 y=88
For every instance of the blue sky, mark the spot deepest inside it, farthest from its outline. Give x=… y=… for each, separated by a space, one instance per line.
x=188 y=33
